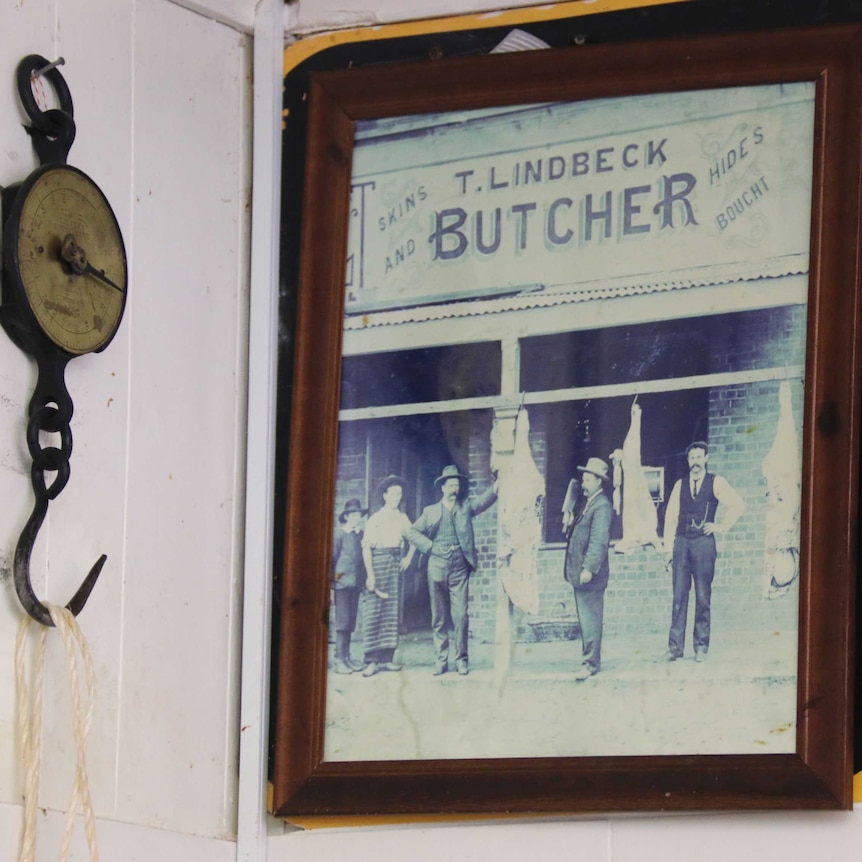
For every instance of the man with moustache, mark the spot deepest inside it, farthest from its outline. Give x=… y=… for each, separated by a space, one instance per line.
x=691 y=520
x=444 y=531
x=586 y=564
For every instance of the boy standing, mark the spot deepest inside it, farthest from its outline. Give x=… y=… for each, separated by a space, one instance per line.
x=348 y=579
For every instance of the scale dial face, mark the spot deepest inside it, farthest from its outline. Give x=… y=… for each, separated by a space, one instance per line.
x=68 y=261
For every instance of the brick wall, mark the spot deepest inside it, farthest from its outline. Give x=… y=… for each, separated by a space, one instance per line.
x=743 y=421
x=351 y=465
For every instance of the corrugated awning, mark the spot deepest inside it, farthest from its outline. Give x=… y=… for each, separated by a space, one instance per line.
x=547 y=296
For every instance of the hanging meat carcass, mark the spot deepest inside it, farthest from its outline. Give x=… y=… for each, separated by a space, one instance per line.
x=782 y=470
x=522 y=495
x=640 y=522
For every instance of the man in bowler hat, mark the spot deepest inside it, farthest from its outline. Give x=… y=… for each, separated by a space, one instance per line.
x=444 y=531
x=586 y=565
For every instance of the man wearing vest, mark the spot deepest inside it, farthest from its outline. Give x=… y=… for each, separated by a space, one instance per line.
x=691 y=520
x=444 y=531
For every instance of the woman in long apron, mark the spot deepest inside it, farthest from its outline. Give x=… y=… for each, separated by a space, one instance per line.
x=383 y=547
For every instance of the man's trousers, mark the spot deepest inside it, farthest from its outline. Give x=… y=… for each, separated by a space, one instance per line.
x=449 y=600
x=693 y=561
x=591 y=615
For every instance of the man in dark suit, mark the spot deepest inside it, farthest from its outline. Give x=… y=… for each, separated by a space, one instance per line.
x=348 y=579
x=444 y=531
x=586 y=566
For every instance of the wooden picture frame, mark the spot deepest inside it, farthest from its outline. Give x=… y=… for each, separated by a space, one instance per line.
x=816 y=771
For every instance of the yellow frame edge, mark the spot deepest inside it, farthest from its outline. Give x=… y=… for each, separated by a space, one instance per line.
x=305 y=47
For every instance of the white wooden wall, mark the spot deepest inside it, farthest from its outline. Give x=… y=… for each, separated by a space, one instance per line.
x=163 y=104
x=320 y=15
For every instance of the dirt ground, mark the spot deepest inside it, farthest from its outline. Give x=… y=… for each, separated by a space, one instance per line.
x=742 y=700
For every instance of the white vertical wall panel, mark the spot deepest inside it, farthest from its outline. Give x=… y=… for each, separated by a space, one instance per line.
x=178 y=700
x=24 y=29
x=89 y=518
x=162 y=107
x=242 y=224
x=119 y=842
x=267 y=63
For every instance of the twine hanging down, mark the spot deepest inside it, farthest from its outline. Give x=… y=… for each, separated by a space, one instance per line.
x=30 y=729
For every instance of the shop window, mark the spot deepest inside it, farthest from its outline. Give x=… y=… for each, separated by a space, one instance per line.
x=420 y=376
x=664 y=350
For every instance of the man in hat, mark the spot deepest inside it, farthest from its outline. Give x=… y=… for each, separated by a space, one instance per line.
x=586 y=564
x=691 y=520
x=444 y=531
x=348 y=579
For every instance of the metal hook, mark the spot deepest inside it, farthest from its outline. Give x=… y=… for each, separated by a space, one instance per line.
x=53 y=131
x=21 y=570
x=50 y=411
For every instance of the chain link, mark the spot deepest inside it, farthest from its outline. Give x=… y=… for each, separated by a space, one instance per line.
x=49 y=458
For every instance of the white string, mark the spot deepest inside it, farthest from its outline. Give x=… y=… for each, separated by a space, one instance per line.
x=29 y=733
x=30 y=730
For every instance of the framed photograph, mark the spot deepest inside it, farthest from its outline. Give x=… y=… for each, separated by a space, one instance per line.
x=572 y=483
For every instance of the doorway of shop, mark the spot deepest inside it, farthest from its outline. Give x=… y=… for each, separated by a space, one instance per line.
x=417 y=447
